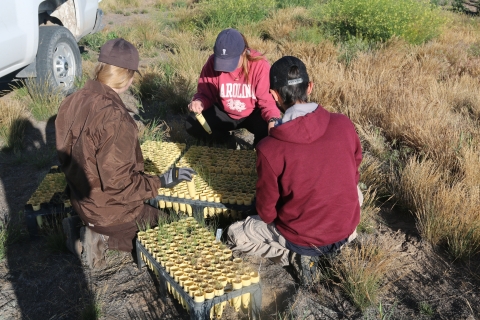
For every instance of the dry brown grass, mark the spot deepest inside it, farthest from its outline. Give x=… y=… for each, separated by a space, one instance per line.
x=361 y=269
x=113 y=5
x=424 y=97
x=446 y=207
x=12 y=123
x=145 y=34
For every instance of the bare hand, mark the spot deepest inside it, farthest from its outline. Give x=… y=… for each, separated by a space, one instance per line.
x=196 y=106
x=270 y=126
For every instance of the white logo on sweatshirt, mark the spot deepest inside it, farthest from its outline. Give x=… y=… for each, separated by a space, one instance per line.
x=236 y=105
x=236 y=90
x=224 y=52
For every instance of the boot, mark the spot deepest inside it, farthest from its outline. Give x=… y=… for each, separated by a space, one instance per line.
x=305 y=268
x=71 y=229
x=95 y=246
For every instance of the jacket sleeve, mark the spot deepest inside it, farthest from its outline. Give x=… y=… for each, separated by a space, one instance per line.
x=267 y=190
x=265 y=101
x=207 y=88
x=117 y=162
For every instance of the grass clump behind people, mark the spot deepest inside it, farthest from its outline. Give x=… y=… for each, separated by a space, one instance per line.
x=379 y=20
x=223 y=14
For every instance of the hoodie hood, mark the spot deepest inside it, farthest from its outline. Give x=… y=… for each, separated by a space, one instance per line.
x=304 y=129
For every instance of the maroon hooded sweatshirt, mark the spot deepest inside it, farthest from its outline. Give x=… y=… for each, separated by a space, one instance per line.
x=307 y=178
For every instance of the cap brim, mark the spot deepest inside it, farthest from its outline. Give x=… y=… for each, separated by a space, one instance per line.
x=225 y=65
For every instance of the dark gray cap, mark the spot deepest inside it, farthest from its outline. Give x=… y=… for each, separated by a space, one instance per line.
x=121 y=53
x=280 y=69
x=229 y=46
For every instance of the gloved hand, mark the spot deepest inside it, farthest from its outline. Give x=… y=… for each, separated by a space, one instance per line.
x=176 y=175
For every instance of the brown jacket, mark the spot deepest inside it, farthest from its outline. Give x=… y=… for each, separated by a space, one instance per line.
x=98 y=148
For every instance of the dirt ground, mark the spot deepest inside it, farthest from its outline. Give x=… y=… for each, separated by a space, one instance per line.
x=36 y=283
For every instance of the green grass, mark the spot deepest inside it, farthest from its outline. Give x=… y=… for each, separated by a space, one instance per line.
x=308 y=34
x=92 y=311
x=11 y=232
x=350 y=48
x=379 y=20
x=223 y=14
x=43 y=102
x=96 y=40
x=295 y=3
x=426 y=309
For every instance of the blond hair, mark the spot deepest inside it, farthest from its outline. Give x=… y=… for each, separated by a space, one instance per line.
x=247 y=57
x=113 y=76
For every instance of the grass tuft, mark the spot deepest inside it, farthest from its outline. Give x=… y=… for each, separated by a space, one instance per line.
x=92 y=311
x=360 y=270
x=11 y=231
x=12 y=124
x=43 y=102
x=155 y=130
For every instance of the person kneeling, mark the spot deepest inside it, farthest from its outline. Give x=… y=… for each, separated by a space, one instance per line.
x=308 y=203
x=99 y=152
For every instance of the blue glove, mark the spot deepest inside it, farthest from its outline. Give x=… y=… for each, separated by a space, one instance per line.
x=176 y=175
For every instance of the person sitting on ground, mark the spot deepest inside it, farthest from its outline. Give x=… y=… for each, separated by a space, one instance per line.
x=307 y=199
x=232 y=91
x=99 y=152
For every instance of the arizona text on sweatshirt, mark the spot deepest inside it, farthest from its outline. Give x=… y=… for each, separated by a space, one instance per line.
x=234 y=93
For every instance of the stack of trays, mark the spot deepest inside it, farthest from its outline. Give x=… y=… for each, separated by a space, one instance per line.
x=202 y=267
x=48 y=201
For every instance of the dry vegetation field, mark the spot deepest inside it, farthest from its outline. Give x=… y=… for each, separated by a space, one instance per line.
x=407 y=73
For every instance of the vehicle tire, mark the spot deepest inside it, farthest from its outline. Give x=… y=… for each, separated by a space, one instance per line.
x=59 y=62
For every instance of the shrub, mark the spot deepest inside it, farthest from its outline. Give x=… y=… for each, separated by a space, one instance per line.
x=223 y=14
x=379 y=20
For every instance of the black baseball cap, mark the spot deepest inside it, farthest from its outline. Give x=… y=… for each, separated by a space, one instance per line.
x=121 y=53
x=279 y=72
x=228 y=48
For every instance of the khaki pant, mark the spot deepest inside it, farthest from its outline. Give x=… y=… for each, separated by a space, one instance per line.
x=254 y=237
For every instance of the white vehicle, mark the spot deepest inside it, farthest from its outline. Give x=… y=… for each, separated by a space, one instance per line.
x=38 y=38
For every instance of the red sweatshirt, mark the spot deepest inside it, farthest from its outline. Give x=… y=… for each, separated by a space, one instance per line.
x=307 y=178
x=231 y=90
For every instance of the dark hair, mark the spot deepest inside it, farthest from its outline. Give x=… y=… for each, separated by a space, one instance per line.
x=293 y=93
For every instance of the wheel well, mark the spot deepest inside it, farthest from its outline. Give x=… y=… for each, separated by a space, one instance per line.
x=58 y=12
x=44 y=19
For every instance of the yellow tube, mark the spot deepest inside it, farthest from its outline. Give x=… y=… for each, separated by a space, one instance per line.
x=203 y=122
x=191 y=187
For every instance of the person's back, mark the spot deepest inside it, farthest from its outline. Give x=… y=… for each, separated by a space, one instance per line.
x=307 y=199
x=315 y=159
x=99 y=152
